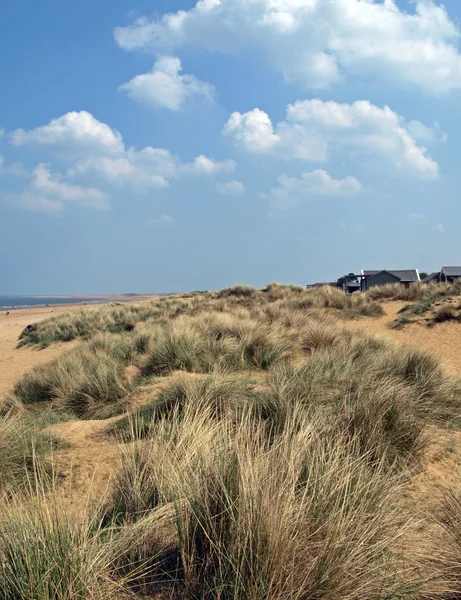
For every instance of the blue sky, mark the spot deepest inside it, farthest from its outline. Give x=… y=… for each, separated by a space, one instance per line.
x=177 y=145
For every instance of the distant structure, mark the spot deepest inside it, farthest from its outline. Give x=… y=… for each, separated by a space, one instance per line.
x=367 y=279
x=450 y=274
x=446 y=274
x=350 y=283
x=432 y=277
x=371 y=279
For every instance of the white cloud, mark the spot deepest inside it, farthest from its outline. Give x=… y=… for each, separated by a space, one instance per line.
x=230 y=188
x=416 y=217
x=148 y=168
x=51 y=185
x=165 y=87
x=27 y=200
x=252 y=130
x=202 y=165
x=316 y=183
x=315 y=129
x=98 y=156
x=162 y=220
x=440 y=228
x=423 y=133
x=71 y=136
x=316 y=42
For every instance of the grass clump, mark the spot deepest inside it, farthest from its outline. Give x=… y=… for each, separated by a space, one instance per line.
x=46 y=555
x=222 y=394
x=86 y=382
x=414 y=292
x=24 y=453
x=173 y=352
x=238 y=291
x=203 y=344
x=446 y=312
x=236 y=513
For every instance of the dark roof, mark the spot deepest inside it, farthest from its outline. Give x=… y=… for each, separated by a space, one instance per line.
x=405 y=275
x=452 y=271
x=430 y=277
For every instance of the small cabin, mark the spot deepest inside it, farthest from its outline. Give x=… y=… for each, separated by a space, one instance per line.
x=450 y=274
x=371 y=279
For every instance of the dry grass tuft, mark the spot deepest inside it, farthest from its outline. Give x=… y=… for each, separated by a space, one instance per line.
x=47 y=555
x=243 y=516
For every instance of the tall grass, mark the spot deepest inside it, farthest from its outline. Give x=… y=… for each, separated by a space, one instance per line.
x=48 y=555
x=119 y=318
x=271 y=462
x=223 y=394
x=245 y=516
x=24 y=452
x=87 y=382
x=413 y=292
x=202 y=344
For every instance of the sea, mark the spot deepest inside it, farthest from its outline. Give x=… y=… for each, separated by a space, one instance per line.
x=9 y=302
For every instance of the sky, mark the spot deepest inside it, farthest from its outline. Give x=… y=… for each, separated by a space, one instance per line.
x=174 y=145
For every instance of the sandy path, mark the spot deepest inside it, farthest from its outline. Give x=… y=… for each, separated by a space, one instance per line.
x=86 y=468
x=444 y=339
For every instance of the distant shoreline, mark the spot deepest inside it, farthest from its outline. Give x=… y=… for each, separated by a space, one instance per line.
x=24 y=302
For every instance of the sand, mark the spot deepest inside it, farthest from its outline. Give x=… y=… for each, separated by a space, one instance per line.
x=443 y=340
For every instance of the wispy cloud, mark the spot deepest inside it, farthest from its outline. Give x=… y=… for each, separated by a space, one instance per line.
x=230 y=188
x=162 y=220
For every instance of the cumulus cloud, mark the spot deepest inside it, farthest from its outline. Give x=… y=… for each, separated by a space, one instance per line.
x=315 y=129
x=317 y=42
x=51 y=185
x=252 y=130
x=148 y=168
x=72 y=135
x=138 y=170
x=230 y=188
x=202 y=165
x=97 y=157
x=316 y=183
x=165 y=87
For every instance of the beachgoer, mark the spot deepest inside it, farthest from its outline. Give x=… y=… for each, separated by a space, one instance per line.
x=7 y=313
